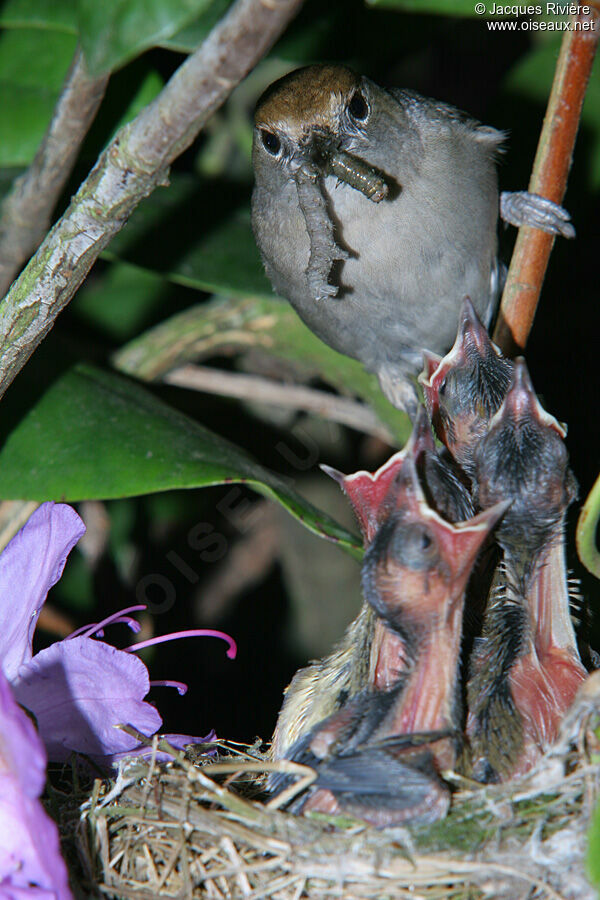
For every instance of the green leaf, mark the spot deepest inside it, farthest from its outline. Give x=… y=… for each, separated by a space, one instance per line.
x=119 y=300
x=439 y=7
x=196 y=234
x=267 y=325
x=149 y=88
x=94 y=435
x=113 y=33
x=51 y=15
x=34 y=59
x=189 y=38
x=33 y=65
x=532 y=78
x=592 y=859
x=587 y=527
x=129 y=91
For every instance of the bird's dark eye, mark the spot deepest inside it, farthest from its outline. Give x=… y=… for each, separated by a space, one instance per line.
x=413 y=546
x=358 y=106
x=271 y=142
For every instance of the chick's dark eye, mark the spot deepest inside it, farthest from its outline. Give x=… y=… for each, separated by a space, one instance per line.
x=271 y=142
x=358 y=107
x=414 y=547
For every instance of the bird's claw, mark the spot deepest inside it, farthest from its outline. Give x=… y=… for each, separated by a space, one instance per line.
x=522 y=208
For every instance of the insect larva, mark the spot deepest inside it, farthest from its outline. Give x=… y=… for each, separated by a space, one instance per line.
x=358 y=174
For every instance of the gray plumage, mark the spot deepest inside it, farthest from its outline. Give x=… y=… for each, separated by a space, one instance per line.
x=413 y=255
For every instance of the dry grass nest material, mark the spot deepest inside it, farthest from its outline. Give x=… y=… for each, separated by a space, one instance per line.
x=204 y=828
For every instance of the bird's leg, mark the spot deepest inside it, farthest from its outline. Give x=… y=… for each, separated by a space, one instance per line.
x=522 y=208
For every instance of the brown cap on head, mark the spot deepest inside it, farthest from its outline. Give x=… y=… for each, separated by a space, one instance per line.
x=307 y=98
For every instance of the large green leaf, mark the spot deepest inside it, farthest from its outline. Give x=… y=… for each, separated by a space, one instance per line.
x=198 y=235
x=33 y=65
x=191 y=36
x=113 y=33
x=95 y=435
x=532 y=78
x=50 y=15
x=120 y=300
x=268 y=325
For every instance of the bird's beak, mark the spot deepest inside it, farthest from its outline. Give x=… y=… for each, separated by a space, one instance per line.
x=372 y=494
x=466 y=387
x=521 y=404
x=321 y=149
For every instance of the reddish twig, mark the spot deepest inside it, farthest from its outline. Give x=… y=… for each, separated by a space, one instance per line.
x=549 y=179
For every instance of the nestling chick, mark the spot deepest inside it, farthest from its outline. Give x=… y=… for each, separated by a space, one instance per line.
x=381 y=755
x=414 y=575
x=367 y=654
x=464 y=389
x=375 y=212
x=526 y=670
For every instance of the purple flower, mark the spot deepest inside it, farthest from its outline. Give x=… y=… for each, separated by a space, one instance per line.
x=79 y=689
x=30 y=862
x=29 y=566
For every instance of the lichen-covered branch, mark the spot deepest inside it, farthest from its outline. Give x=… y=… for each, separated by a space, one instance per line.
x=549 y=179
x=27 y=210
x=133 y=164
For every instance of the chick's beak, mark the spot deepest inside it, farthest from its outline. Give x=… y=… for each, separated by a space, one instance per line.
x=521 y=403
x=466 y=388
x=418 y=564
x=523 y=458
x=373 y=494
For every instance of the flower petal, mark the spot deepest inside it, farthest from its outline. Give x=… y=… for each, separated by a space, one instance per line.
x=30 y=860
x=177 y=741
x=79 y=690
x=29 y=565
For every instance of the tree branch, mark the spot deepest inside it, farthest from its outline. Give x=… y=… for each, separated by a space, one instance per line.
x=27 y=209
x=256 y=389
x=133 y=164
x=549 y=179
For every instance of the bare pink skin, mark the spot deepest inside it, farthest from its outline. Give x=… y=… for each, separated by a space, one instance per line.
x=428 y=602
x=546 y=679
x=388 y=657
x=374 y=496
x=547 y=672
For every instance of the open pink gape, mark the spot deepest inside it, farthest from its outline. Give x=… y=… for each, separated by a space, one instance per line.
x=466 y=596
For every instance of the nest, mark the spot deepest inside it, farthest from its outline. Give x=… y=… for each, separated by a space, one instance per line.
x=204 y=829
